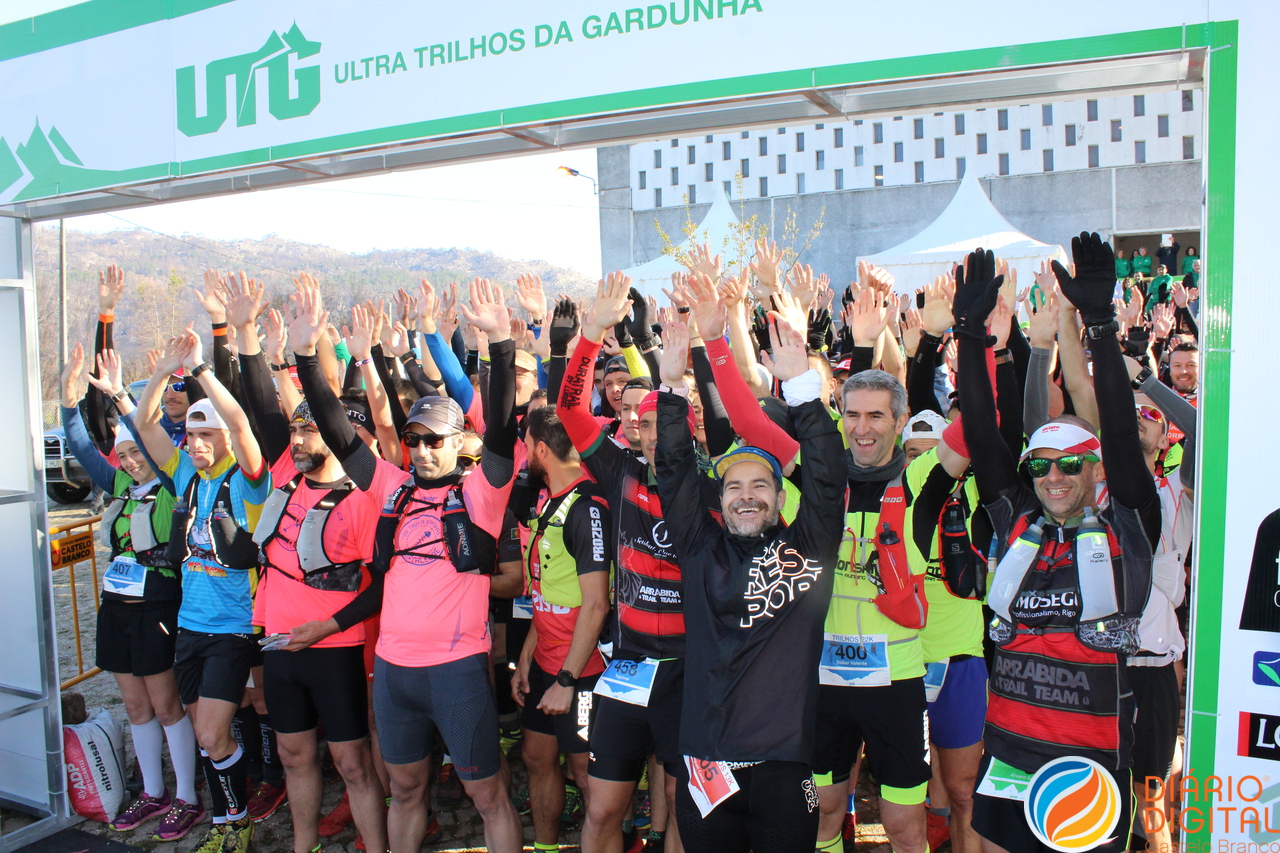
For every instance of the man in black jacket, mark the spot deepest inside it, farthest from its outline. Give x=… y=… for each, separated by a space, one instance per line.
x=756 y=594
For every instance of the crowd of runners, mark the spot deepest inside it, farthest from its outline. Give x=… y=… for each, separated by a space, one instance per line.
x=747 y=547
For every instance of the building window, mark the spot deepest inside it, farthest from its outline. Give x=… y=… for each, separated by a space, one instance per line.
x=782 y=131
x=1004 y=164
x=1091 y=110
x=782 y=164
x=657 y=159
x=960 y=165
x=982 y=143
x=799 y=141
x=693 y=154
x=657 y=197
x=1046 y=115
x=1093 y=156
x=919 y=172
x=710 y=172
x=918 y=128
x=800 y=183
x=764 y=145
x=1162 y=126
x=746 y=134
x=877 y=132
x=857 y=155
x=879 y=176
x=837 y=137
x=1187 y=101
x=1116 y=135
x=709 y=137
x=1071 y=135
x=1048 y=159
x=745 y=167
x=725 y=151
x=1188 y=148
x=939 y=149
x=897 y=152
x=675 y=143
x=644 y=181
x=819 y=160
x=839 y=179
x=1139 y=105
x=1002 y=119
x=764 y=187
x=820 y=126
x=1025 y=135
x=692 y=190
x=675 y=175
x=728 y=189
x=857 y=122
x=1139 y=152
x=959 y=124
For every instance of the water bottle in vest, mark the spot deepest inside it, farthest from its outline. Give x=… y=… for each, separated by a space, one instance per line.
x=176 y=551
x=956 y=555
x=1096 y=575
x=1006 y=584
x=460 y=538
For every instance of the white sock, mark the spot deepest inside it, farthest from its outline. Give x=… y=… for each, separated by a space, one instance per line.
x=182 y=752
x=446 y=759
x=148 y=744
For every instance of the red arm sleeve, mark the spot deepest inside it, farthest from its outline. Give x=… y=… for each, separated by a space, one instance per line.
x=746 y=416
x=574 y=405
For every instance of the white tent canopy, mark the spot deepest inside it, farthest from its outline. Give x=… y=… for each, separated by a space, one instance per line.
x=969 y=221
x=716 y=230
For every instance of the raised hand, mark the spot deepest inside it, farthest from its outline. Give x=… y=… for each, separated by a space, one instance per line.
x=638 y=325
x=108 y=379
x=153 y=356
x=765 y=268
x=936 y=317
x=213 y=299
x=675 y=353
x=488 y=313
x=276 y=332
x=406 y=308
x=612 y=303
x=1161 y=321
x=310 y=320
x=110 y=289
x=1090 y=287
x=733 y=289
x=170 y=360
x=1179 y=294
x=448 y=322
x=1001 y=321
x=868 y=318
x=531 y=296
x=399 y=342
x=192 y=349
x=803 y=286
x=911 y=329
x=788 y=357
x=360 y=340
x=72 y=376
x=1043 y=329
x=702 y=261
x=977 y=289
x=877 y=278
x=564 y=326
x=428 y=308
x=681 y=297
x=709 y=309
x=243 y=298
x=788 y=308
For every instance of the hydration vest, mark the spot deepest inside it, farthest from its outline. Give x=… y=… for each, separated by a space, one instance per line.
x=901 y=596
x=144 y=537
x=232 y=546
x=648 y=587
x=466 y=545
x=555 y=579
x=963 y=568
x=319 y=571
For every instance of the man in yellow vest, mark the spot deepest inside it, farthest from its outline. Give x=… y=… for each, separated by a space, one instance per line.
x=567 y=567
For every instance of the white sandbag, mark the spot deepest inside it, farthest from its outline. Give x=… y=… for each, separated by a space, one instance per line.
x=94 y=752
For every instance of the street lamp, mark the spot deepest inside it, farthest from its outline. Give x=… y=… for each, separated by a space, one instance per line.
x=574 y=173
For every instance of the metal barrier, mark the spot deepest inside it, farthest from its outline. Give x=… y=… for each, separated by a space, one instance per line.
x=66 y=552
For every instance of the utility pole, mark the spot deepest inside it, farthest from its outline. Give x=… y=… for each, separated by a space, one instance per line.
x=62 y=294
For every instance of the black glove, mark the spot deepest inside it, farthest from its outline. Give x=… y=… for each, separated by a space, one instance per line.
x=760 y=329
x=847 y=296
x=1135 y=345
x=920 y=300
x=1091 y=290
x=846 y=342
x=638 y=325
x=820 y=337
x=564 y=325
x=976 y=294
x=623 y=334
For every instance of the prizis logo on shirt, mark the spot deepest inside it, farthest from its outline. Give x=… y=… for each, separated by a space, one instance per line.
x=1259 y=736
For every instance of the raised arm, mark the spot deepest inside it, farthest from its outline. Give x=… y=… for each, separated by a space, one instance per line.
x=490 y=315
x=243 y=301
x=99 y=413
x=147 y=419
x=243 y=443
x=78 y=441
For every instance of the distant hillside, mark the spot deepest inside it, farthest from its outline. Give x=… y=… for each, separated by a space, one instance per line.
x=160 y=270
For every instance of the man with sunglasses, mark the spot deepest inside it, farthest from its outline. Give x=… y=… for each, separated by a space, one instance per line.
x=1071 y=582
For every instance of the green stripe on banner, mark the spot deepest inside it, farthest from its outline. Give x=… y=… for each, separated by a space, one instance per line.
x=1215 y=402
x=90 y=20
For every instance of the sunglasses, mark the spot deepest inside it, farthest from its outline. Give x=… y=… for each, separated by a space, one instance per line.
x=1151 y=413
x=435 y=442
x=468 y=460
x=1068 y=465
x=178 y=386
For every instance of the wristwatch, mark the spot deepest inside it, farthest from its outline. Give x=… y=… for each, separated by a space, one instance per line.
x=1143 y=375
x=200 y=368
x=119 y=396
x=565 y=678
x=1101 y=330
x=1003 y=356
x=276 y=368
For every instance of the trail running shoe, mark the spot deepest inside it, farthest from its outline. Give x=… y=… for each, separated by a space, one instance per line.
x=655 y=841
x=238 y=835
x=214 y=841
x=181 y=818
x=642 y=817
x=338 y=819
x=449 y=791
x=510 y=741
x=572 y=807
x=938 y=828
x=140 y=811
x=520 y=799
x=264 y=801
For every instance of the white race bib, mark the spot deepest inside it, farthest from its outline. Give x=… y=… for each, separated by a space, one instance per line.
x=628 y=681
x=855 y=661
x=125 y=577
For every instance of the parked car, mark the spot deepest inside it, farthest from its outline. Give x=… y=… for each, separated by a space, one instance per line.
x=65 y=480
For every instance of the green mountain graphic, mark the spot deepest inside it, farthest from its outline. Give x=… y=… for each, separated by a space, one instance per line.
x=55 y=169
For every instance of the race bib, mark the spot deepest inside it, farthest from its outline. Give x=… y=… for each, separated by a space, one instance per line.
x=710 y=783
x=628 y=681
x=522 y=607
x=1003 y=781
x=854 y=661
x=934 y=676
x=125 y=577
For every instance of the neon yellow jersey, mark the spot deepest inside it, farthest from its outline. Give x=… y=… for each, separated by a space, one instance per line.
x=955 y=624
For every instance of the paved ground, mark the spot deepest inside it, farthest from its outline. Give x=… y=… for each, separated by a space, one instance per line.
x=461 y=828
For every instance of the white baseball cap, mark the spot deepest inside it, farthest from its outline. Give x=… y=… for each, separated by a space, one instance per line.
x=1068 y=438
x=202 y=414
x=927 y=424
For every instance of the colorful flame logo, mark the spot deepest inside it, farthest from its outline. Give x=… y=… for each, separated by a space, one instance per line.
x=1072 y=804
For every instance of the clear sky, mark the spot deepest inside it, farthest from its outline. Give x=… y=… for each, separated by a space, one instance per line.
x=521 y=208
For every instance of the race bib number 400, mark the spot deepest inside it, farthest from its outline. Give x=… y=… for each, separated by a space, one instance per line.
x=855 y=661
x=125 y=577
x=628 y=681
x=710 y=783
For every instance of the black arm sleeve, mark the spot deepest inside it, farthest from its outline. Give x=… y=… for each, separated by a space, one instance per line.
x=364 y=605
x=651 y=359
x=995 y=468
x=861 y=359
x=920 y=375
x=222 y=362
x=98 y=412
x=555 y=375
x=718 y=429
x=351 y=381
x=331 y=420
x=1182 y=319
x=500 y=427
x=398 y=416
x=1128 y=478
x=1009 y=404
x=1020 y=348
x=263 y=407
x=418 y=378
